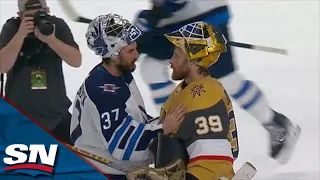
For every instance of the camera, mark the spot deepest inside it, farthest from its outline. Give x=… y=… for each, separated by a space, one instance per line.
x=42 y=20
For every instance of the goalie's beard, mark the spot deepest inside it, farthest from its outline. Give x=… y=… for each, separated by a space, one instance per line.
x=180 y=71
x=125 y=66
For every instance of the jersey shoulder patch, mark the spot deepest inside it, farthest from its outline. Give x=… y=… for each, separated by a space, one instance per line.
x=101 y=84
x=204 y=93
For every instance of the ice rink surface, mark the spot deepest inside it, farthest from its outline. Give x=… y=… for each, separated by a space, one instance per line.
x=291 y=83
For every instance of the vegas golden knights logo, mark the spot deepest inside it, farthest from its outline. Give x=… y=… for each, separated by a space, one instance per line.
x=197 y=90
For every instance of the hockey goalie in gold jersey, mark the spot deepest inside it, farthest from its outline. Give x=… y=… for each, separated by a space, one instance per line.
x=205 y=144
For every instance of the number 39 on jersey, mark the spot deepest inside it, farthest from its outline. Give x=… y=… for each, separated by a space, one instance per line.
x=214 y=124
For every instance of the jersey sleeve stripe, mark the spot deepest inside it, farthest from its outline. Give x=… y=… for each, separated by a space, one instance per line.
x=157 y=86
x=246 y=86
x=126 y=137
x=77 y=132
x=215 y=147
x=145 y=140
x=161 y=100
x=256 y=97
x=118 y=134
x=213 y=157
x=133 y=142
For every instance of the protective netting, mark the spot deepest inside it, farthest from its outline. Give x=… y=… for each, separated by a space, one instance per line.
x=116 y=25
x=194 y=30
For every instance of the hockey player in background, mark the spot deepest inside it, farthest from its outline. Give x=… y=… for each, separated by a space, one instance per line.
x=207 y=139
x=168 y=15
x=109 y=117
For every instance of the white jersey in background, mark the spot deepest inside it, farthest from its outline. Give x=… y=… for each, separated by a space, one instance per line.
x=109 y=120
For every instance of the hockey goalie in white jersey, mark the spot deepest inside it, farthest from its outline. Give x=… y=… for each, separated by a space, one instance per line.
x=109 y=117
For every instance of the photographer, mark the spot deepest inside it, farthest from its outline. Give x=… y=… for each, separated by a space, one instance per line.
x=32 y=47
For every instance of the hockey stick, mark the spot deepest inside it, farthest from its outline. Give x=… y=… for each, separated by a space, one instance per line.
x=70 y=11
x=258 y=48
x=97 y=158
x=246 y=172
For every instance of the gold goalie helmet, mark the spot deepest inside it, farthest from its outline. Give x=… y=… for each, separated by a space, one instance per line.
x=201 y=42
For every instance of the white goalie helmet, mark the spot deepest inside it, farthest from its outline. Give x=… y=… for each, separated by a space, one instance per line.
x=107 y=34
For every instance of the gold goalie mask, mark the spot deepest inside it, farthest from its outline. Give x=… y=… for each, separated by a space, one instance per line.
x=201 y=42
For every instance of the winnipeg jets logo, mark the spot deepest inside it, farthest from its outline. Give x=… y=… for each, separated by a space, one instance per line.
x=132 y=33
x=109 y=88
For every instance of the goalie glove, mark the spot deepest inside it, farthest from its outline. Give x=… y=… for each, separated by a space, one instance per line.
x=151 y=174
x=174 y=171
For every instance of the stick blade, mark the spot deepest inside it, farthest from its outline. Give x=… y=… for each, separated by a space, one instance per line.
x=70 y=11
x=246 y=172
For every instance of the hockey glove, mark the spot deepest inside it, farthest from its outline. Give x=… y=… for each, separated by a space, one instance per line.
x=173 y=171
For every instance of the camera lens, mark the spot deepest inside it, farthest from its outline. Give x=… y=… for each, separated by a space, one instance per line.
x=42 y=20
x=46 y=28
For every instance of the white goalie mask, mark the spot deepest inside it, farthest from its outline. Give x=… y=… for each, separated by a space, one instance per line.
x=107 y=34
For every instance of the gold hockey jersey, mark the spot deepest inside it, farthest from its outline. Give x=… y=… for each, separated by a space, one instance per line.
x=209 y=130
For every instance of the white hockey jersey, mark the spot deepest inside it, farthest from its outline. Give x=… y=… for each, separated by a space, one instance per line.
x=170 y=15
x=109 y=120
x=185 y=10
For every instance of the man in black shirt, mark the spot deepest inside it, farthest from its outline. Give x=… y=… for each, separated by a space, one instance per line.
x=31 y=53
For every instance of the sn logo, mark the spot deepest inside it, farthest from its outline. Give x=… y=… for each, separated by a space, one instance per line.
x=20 y=159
